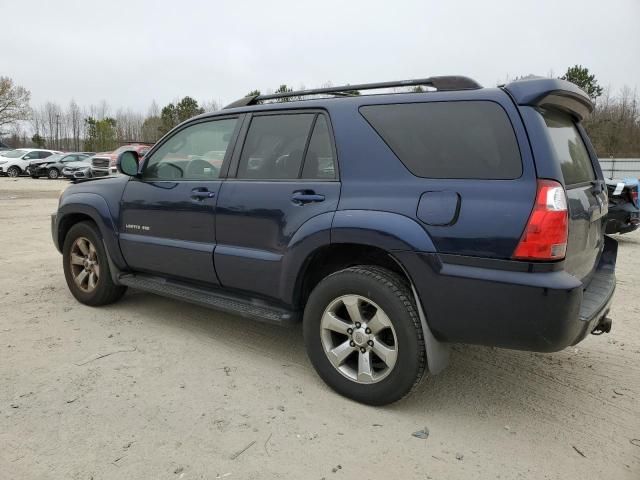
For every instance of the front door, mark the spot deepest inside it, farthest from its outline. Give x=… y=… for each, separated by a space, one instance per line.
x=167 y=222
x=285 y=175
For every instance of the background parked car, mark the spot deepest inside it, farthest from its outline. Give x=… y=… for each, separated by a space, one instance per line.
x=99 y=169
x=52 y=166
x=624 y=207
x=78 y=169
x=16 y=162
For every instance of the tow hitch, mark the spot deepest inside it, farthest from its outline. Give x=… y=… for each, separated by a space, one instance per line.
x=604 y=326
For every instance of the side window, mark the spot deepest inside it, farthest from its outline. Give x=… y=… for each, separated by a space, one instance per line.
x=575 y=162
x=319 y=162
x=31 y=156
x=69 y=158
x=274 y=146
x=459 y=139
x=194 y=153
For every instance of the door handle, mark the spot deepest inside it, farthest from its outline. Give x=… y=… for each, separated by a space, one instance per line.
x=201 y=194
x=300 y=198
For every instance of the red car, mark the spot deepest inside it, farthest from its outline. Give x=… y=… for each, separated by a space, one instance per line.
x=100 y=168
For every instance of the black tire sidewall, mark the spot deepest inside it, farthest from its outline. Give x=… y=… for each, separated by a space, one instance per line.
x=408 y=368
x=91 y=232
x=53 y=170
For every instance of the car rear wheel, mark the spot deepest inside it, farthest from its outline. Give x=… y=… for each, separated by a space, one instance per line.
x=13 y=172
x=363 y=335
x=53 y=173
x=86 y=266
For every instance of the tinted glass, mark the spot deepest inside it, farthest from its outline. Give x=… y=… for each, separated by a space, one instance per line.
x=44 y=154
x=274 y=146
x=570 y=149
x=194 y=153
x=319 y=162
x=449 y=139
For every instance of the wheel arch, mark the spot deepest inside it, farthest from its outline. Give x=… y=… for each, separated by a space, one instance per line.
x=78 y=207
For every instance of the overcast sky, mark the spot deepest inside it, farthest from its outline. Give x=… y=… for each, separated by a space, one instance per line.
x=131 y=52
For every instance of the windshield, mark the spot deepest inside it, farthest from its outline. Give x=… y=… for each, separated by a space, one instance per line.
x=53 y=158
x=15 y=153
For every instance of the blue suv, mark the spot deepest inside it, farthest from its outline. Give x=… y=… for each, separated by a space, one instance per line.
x=390 y=225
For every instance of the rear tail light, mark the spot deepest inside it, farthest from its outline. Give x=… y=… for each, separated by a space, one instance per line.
x=545 y=236
x=634 y=196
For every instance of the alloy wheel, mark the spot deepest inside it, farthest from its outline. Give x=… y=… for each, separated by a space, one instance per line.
x=85 y=267
x=358 y=338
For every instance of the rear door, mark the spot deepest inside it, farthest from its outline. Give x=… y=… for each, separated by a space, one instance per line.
x=167 y=221
x=284 y=175
x=586 y=193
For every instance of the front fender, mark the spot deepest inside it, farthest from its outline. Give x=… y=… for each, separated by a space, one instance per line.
x=95 y=207
x=389 y=231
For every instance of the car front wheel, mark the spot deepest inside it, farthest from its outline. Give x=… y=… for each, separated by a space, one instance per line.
x=53 y=173
x=13 y=172
x=86 y=266
x=363 y=335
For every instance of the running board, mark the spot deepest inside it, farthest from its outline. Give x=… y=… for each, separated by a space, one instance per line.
x=211 y=298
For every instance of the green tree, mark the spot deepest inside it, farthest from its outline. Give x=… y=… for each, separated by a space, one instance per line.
x=151 y=129
x=253 y=93
x=587 y=82
x=38 y=141
x=172 y=115
x=101 y=134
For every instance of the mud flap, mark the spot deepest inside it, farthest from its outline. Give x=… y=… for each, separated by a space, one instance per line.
x=437 y=352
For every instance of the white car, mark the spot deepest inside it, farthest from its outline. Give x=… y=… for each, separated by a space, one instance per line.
x=15 y=162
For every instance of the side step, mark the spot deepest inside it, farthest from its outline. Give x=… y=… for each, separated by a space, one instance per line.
x=211 y=298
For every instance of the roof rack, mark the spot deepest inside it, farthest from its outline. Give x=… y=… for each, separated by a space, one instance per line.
x=439 y=83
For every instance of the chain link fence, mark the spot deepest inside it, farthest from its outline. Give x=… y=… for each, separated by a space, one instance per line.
x=620 y=167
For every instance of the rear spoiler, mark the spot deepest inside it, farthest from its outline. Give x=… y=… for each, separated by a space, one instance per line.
x=551 y=93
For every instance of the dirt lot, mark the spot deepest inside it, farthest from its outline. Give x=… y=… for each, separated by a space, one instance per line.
x=181 y=390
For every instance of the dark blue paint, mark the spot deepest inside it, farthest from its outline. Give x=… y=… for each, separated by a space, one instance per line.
x=439 y=208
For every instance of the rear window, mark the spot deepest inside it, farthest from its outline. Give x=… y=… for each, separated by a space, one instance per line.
x=569 y=148
x=471 y=139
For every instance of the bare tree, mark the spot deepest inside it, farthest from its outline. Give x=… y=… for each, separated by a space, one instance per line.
x=14 y=103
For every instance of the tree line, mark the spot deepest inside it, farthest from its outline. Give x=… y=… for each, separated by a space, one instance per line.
x=614 y=126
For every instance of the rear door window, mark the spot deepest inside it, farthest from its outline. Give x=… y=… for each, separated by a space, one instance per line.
x=466 y=139
x=569 y=148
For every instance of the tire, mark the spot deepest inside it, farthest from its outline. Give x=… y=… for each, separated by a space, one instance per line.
x=13 y=172
x=103 y=291
x=35 y=177
x=53 y=173
x=372 y=289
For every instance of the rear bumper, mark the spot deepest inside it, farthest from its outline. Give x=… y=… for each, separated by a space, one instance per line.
x=542 y=311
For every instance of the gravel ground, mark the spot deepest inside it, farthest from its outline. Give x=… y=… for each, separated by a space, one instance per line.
x=154 y=388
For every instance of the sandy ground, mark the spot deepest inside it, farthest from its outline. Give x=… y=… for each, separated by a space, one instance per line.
x=182 y=389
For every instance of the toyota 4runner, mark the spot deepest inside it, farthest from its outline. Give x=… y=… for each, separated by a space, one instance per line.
x=390 y=225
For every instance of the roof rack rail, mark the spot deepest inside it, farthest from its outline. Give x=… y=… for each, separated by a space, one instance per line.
x=443 y=83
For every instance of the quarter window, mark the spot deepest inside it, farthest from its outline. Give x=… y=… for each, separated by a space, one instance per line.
x=194 y=153
x=571 y=152
x=466 y=139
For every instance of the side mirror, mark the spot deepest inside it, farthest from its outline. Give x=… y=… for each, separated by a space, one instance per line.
x=128 y=163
